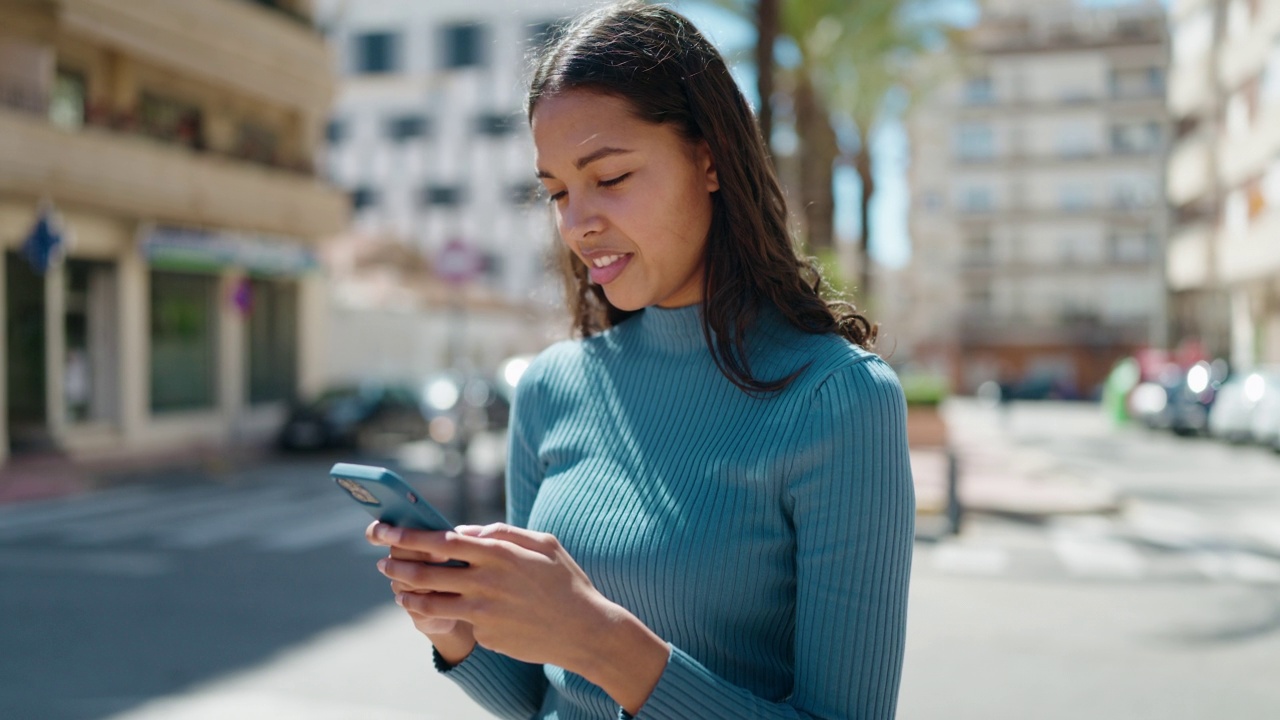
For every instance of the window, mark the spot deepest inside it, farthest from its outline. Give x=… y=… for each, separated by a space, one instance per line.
x=67 y=102
x=977 y=199
x=363 y=197
x=184 y=348
x=1137 y=82
x=495 y=124
x=407 y=127
x=1133 y=193
x=1135 y=138
x=975 y=141
x=376 y=52
x=90 y=384
x=463 y=46
x=978 y=250
x=335 y=131
x=1131 y=247
x=979 y=91
x=1073 y=197
x=273 y=340
x=256 y=143
x=442 y=195
x=525 y=193
x=1075 y=140
x=171 y=120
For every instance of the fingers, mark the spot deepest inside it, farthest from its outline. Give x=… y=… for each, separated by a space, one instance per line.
x=419 y=577
x=539 y=542
x=444 y=609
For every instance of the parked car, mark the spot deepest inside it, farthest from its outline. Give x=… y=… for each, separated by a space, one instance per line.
x=1265 y=421
x=372 y=418
x=1191 y=401
x=459 y=406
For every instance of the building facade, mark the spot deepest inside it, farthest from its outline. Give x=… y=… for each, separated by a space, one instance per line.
x=1038 y=221
x=163 y=150
x=428 y=135
x=1224 y=177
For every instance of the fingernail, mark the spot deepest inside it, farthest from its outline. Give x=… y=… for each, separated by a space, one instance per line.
x=400 y=599
x=382 y=565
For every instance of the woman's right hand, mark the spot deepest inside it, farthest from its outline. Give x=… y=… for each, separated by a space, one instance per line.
x=453 y=638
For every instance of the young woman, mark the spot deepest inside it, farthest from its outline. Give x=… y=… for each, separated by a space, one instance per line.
x=710 y=507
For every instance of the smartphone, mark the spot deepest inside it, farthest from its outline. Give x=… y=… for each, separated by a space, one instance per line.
x=389 y=499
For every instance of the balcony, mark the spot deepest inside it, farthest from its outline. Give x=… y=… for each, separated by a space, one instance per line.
x=1238 y=60
x=1188 y=260
x=1191 y=88
x=1190 y=165
x=228 y=43
x=1245 y=156
x=1254 y=254
x=139 y=177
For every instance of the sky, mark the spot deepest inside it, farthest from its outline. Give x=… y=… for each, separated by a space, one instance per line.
x=891 y=241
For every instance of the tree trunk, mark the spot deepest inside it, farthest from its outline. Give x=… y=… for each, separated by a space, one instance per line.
x=766 y=35
x=862 y=165
x=818 y=152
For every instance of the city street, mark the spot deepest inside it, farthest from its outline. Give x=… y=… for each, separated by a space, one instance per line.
x=249 y=592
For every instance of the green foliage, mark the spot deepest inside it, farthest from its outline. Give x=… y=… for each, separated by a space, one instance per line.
x=924 y=389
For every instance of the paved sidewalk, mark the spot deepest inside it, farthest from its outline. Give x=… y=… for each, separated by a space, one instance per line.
x=378 y=668
x=998 y=474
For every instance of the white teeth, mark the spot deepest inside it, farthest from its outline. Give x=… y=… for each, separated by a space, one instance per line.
x=606 y=260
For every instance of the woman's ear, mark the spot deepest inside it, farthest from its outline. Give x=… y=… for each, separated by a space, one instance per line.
x=708 y=165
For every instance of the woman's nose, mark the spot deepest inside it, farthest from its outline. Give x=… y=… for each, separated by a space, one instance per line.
x=578 y=219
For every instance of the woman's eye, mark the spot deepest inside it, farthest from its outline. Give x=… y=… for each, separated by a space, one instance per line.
x=555 y=197
x=614 y=181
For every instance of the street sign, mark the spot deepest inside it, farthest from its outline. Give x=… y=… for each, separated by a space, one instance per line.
x=458 y=263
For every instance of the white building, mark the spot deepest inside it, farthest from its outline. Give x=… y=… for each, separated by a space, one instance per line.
x=1224 y=177
x=1037 y=216
x=429 y=136
x=176 y=141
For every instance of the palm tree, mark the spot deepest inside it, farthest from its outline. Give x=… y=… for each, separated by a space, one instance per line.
x=853 y=55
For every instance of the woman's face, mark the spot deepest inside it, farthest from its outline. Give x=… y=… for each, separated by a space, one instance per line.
x=632 y=199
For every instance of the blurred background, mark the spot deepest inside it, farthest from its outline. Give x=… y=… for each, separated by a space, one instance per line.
x=246 y=239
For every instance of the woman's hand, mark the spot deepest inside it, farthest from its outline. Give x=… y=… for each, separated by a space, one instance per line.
x=453 y=639
x=525 y=597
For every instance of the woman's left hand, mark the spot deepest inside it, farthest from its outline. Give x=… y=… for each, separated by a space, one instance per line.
x=523 y=594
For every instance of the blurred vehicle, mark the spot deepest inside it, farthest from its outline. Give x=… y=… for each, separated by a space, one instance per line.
x=460 y=406
x=1191 y=400
x=372 y=418
x=1265 y=422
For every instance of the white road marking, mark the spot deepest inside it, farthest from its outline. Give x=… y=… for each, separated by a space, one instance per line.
x=143 y=522
x=970 y=559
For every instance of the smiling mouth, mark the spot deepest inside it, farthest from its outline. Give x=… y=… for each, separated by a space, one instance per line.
x=606 y=268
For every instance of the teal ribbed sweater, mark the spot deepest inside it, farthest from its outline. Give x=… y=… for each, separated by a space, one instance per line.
x=767 y=539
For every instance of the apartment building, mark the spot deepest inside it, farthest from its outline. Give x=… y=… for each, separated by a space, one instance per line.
x=1224 y=177
x=1037 y=218
x=429 y=137
x=164 y=151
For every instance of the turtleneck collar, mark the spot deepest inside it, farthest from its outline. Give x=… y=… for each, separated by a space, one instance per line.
x=676 y=330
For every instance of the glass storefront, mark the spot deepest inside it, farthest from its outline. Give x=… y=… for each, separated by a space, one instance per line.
x=91 y=369
x=273 y=339
x=184 y=341
x=24 y=354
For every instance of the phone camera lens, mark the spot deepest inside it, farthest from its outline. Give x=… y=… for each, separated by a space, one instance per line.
x=412 y=498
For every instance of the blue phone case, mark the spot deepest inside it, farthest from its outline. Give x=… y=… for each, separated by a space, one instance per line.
x=389 y=499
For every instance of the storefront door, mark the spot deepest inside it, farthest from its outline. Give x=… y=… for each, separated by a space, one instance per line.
x=25 y=349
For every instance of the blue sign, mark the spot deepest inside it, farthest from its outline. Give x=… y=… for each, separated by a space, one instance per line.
x=41 y=246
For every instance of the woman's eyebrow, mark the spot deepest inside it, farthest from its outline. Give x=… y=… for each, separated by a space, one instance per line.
x=589 y=158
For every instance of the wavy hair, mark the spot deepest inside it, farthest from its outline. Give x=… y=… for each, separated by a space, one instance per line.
x=656 y=60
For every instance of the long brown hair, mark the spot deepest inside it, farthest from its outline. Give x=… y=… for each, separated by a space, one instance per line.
x=654 y=58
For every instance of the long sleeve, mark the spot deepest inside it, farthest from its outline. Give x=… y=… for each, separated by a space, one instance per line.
x=851 y=502
x=505 y=687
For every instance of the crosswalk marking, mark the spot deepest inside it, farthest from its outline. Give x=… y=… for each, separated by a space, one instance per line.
x=20 y=519
x=258 y=519
x=145 y=522
x=344 y=523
